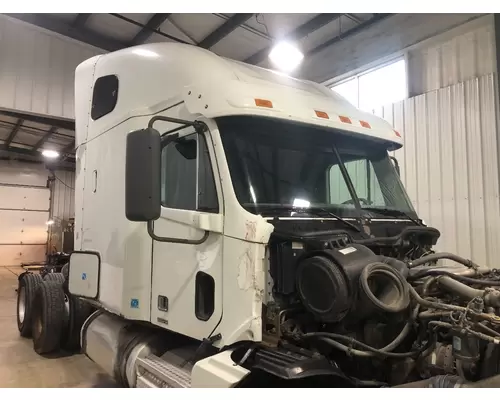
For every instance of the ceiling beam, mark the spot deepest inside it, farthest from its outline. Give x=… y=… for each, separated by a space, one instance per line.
x=44 y=139
x=81 y=20
x=78 y=33
x=225 y=29
x=60 y=123
x=13 y=133
x=28 y=155
x=351 y=32
x=157 y=31
x=302 y=31
x=353 y=18
x=153 y=24
x=68 y=150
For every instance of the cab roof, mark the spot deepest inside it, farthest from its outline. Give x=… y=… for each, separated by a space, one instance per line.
x=212 y=86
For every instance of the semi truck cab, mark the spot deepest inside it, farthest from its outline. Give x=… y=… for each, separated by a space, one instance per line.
x=203 y=185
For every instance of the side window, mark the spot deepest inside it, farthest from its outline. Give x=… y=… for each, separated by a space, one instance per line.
x=105 y=96
x=186 y=175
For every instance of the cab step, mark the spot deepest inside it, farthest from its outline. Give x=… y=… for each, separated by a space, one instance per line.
x=154 y=372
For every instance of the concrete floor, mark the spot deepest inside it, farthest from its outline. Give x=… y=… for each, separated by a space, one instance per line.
x=20 y=366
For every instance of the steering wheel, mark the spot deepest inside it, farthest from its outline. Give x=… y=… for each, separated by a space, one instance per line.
x=361 y=200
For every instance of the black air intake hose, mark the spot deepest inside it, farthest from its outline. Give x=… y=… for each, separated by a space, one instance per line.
x=384 y=287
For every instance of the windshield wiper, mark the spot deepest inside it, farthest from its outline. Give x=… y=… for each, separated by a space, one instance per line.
x=318 y=211
x=393 y=212
x=337 y=217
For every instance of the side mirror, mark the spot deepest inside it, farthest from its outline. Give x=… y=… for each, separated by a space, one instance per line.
x=396 y=165
x=143 y=176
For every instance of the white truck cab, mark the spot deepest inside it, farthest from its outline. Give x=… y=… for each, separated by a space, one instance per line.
x=199 y=184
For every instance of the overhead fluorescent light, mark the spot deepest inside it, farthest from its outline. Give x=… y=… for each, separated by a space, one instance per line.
x=50 y=153
x=285 y=56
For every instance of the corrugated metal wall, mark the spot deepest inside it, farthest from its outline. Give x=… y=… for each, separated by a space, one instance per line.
x=383 y=39
x=450 y=167
x=63 y=196
x=37 y=69
x=469 y=53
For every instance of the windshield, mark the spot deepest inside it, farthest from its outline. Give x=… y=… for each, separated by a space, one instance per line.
x=279 y=165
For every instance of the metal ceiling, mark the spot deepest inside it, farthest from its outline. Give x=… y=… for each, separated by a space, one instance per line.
x=244 y=37
x=24 y=136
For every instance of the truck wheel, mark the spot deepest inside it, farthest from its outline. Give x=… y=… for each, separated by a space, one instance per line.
x=54 y=277
x=65 y=271
x=28 y=284
x=79 y=311
x=48 y=317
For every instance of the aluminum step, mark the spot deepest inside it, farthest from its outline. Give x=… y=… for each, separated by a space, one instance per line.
x=153 y=372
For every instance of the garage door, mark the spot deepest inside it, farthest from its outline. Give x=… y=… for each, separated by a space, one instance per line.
x=24 y=212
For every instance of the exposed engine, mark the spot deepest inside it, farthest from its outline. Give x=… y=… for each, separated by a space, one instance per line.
x=341 y=307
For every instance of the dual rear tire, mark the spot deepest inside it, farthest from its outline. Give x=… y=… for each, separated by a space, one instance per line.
x=49 y=314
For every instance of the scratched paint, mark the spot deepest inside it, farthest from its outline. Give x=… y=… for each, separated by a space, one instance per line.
x=250 y=230
x=245 y=270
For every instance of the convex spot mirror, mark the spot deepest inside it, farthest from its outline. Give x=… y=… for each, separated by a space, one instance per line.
x=142 y=175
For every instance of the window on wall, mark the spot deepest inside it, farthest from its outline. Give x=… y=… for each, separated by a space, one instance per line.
x=379 y=87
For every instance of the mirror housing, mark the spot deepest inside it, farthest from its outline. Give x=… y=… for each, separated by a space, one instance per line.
x=396 y=164
x=143 y=175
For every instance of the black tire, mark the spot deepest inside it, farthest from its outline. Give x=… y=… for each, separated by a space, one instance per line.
x=54 y=277
x=49 y=317
x=79 y=311
x=28 y=283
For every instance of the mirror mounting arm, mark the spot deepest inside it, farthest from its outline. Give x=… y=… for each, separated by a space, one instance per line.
x=396 y=164
x=174 y=240
x=200 y=127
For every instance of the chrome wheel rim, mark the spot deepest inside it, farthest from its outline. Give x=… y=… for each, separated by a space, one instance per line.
x=21 y=306
x=66 y=304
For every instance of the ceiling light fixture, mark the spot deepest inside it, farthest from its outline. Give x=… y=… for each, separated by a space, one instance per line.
x=285 y=56
x=50 y=153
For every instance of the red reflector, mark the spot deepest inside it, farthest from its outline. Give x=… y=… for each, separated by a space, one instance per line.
x=365 y=124
x=263 y=103
x=397 y=133
x=346 y=120
x=321 y=114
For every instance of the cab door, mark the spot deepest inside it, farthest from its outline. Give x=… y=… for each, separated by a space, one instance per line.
x=187 y=277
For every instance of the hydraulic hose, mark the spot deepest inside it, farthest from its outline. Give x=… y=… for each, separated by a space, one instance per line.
x=404 y=332
x=439 y=256
x=449 y=307
x=488 y=329
x=460 y=278
x=331 y=339
x=427 y=284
